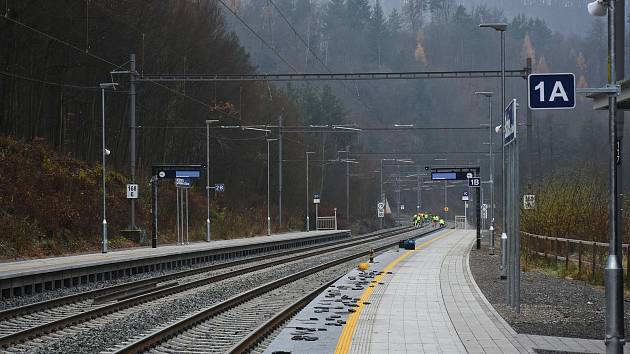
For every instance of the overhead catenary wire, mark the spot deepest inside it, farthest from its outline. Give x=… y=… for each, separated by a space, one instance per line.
x=262 y=40
x=60 y=41
x=297 y=34
x=92 y=55
x=309 y=49
x=50 y=83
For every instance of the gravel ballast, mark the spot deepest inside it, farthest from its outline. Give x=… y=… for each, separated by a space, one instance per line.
x=550 y=306
x=106 y=332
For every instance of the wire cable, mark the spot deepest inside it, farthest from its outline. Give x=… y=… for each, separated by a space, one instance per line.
x=357 y=97
x=50 y=83
x=299 y=36
x=61 y=41
x=273 y=49
x=116 y=66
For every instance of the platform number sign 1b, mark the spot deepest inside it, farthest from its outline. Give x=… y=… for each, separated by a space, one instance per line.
x=132 y=191
x=474 y=182
x=551 y=91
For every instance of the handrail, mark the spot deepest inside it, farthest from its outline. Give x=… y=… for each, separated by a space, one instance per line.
x=572 y=240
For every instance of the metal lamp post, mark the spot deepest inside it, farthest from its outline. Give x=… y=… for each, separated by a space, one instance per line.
x=383 y=196
x=613 y=273
x=445 y=186
x=489 y=96
x=501 y=27
x=308 y=221
x=104 y=153
x=418 y=192
x=268 y=188
x=208 y=122
x=348 y=162
x=445 y=201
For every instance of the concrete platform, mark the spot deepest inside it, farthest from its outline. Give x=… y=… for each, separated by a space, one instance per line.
x=23 y=277
x=429 y=303
x=317 y=328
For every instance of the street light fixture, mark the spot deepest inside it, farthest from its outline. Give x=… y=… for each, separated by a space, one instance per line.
x=104 y=152
x=341 y=127
x=257 y=129
x=489 y=95
x=598 y=8
x=501 y=27
x=208 y=122
x=308 y=221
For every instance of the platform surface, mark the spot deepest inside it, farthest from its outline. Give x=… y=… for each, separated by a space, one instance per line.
x=429 y=303
x=11 y=269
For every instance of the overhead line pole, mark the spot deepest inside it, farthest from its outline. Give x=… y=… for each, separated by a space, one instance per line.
x=347 y=188
x=132 y=128
x=280 y=172
x=529 y=123
x=615 y=336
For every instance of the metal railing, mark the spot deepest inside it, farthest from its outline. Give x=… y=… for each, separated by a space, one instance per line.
x=460 y=222
x=588 y=257
x=327 y=223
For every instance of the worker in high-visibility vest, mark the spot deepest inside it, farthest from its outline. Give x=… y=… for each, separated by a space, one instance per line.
x=442 y=223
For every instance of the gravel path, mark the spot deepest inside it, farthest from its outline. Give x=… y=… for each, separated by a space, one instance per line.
x=549 y=306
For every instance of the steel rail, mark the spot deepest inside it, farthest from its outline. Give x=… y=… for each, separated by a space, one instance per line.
x=78 y=318
x=73 y=298
x=260 y=333
x=169 y=331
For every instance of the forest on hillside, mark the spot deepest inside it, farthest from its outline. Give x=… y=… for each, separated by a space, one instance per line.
x=56 y=53
x=436 y=35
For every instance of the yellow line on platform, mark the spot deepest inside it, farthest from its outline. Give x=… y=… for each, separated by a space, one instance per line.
x=345 y=339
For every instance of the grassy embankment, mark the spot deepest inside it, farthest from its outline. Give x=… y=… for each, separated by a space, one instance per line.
x=51 y=204
x=570 y=204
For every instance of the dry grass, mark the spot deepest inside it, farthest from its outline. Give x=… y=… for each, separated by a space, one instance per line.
x=50 y=204
x=571 y=204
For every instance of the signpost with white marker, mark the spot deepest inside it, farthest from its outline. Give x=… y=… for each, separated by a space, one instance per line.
x=132 y=191
x=380 y=207
x=512 y=193
x=529 y=201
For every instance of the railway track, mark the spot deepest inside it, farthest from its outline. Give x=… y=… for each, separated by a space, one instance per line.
x=31 y=321
x=229 y=324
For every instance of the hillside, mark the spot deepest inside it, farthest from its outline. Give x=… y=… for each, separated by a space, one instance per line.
x=51 y=204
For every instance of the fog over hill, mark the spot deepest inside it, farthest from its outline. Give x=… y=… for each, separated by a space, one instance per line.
x=564 y=16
